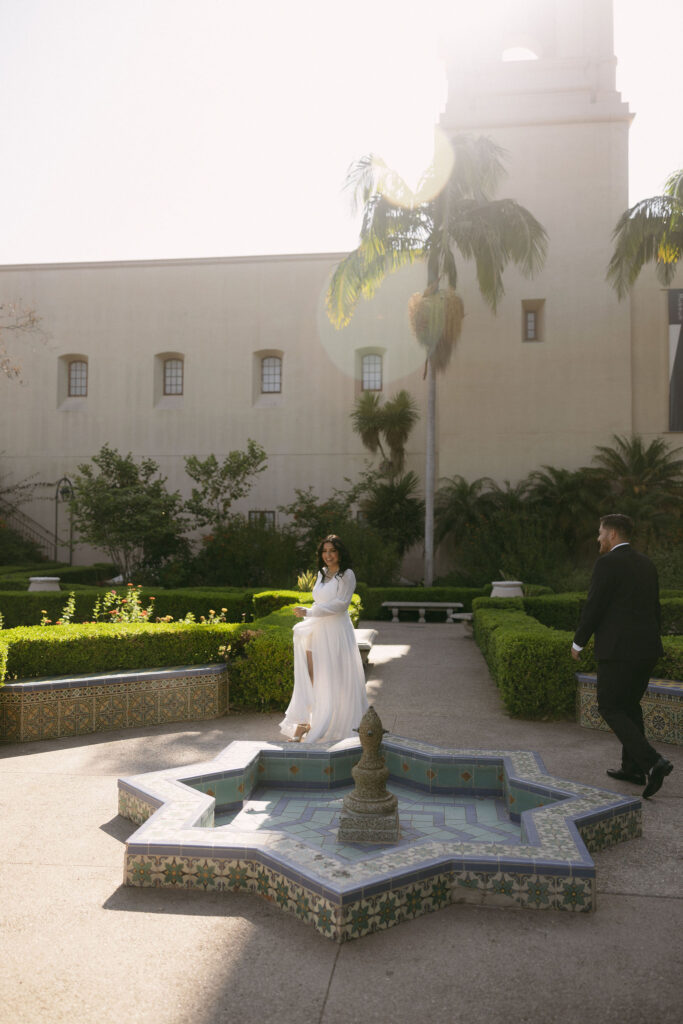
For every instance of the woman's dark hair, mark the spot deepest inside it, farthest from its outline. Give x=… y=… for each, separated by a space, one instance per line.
x=341 y=549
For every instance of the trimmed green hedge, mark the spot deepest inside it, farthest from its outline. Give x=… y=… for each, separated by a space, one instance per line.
x=16 y=577
x=270 y=601
x=36 y=651
x=562 y=611
x=532 y=664
x=25 y=609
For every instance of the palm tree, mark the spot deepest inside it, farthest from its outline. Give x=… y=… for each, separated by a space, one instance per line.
x=649 y=232
x=459 y=505
x=643 y=481
x=463 y=217
x=571 y=497
x=391 y=422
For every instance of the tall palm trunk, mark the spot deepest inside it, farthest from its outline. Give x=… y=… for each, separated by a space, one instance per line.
x=430 y=473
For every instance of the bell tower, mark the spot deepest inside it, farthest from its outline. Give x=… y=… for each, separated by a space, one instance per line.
x=538 y=78
x=532 y=62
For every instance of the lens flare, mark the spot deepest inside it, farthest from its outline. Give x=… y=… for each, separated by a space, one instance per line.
x=411 y=177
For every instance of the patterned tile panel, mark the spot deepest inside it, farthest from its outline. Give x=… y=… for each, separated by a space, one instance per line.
x=48 y=709
x=662 y=709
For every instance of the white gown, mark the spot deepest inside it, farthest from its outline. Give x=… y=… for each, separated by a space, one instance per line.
x=336 y=702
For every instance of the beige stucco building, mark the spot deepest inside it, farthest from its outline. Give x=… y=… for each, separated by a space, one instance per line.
x=172 y=358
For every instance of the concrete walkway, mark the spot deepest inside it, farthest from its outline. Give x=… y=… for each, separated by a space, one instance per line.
x=77 y=946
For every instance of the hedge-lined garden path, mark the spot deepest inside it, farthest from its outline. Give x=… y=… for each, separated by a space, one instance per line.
x=77 y=946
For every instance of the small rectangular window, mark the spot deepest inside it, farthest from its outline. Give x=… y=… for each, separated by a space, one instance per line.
x=173 y=376
x=271 y=375
x=371 y=375
x=78 y=378
x=264 y=517
x=533 y=311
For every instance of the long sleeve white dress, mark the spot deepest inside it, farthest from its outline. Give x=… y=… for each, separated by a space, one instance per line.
x=336 y=702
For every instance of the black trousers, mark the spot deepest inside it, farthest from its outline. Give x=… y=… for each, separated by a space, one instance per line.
x=621 y=686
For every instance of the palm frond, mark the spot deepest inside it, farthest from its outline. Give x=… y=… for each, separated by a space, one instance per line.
x=651 y=231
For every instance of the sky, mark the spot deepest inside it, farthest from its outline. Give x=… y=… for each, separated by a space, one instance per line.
x=160 y=129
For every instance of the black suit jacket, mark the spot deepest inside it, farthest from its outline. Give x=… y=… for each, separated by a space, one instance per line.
x=622 y=608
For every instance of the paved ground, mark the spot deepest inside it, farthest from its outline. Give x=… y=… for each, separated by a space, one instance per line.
x=77 y=946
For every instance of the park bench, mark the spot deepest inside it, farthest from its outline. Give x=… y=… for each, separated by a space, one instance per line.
x=422 y=606
x=365 y=638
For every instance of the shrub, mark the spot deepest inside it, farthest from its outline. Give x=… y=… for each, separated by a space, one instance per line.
x=244 y=554
x=33 y=651
x=264 y=677
x=532 y=665
x=271 y=600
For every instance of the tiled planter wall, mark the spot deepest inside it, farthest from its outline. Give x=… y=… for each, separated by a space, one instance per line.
x=50 y=708
x=662 y=708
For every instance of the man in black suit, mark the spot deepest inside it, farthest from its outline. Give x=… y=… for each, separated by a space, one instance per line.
x=623 y=612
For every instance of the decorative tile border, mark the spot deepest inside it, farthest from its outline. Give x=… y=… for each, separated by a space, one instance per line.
x=50 y=708
x=345 y=897
x=662 y=708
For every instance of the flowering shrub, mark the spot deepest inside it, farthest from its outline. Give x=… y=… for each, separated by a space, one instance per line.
x=114 y=607
x=67 y=615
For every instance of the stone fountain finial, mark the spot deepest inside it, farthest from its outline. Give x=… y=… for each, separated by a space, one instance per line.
x=369 y=812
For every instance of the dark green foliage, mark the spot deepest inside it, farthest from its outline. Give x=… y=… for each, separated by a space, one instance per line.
x=16 y=549
x=18 y=578
x=243 y=554
x=372 y=598
x=264 y=677
x=393 y=510
x=36 y=651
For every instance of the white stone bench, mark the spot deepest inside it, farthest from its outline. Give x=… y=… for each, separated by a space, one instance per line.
x=423 y=606
x=365 y=638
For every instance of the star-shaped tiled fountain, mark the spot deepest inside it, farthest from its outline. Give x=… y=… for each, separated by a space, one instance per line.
x=477 y=826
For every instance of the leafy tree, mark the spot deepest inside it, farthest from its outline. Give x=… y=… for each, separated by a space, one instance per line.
x=395 y=232
x=649 y=232
x=222 y=483
x=124 y=508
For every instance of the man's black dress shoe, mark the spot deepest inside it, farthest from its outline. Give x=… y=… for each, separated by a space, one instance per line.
x=656 y=776
x=637 y=778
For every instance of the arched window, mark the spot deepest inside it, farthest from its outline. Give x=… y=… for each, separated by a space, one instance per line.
x=78 y=378
x=271 y=375
x=371 y=373
x=173 y=376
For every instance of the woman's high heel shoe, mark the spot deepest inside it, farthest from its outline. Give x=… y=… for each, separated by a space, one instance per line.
x=301 y=731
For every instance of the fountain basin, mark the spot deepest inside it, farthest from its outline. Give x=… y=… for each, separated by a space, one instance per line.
x=533 y=850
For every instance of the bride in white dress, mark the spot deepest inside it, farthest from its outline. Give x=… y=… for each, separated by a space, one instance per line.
x=328 y=700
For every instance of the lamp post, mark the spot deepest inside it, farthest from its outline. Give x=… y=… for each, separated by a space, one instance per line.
x=64 y=491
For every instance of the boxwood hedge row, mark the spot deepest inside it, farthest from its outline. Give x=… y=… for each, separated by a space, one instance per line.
x=532 y=665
